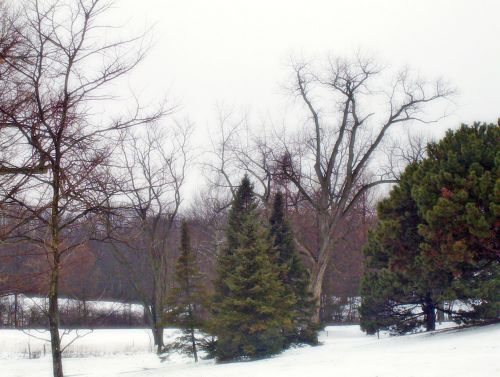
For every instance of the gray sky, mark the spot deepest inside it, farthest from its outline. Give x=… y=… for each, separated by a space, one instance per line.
x=235 y=52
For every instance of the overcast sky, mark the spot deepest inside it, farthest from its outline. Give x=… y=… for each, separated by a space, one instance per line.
x=235 y=52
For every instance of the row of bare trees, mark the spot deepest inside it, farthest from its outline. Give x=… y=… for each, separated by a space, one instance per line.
x=71 y=172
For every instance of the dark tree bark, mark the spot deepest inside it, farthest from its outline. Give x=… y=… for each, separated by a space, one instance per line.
x=430 y=313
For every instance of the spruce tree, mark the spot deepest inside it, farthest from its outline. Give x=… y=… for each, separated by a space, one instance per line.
x=247 y=319
x=187 y=298
x=298 y=301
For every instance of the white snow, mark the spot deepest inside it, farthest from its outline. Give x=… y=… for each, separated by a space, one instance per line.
x=42 y=303
x=345 y=352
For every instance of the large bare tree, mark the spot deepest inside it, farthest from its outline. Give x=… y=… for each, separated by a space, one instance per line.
x=335 y=158
x=330 y=163
x=53 y=80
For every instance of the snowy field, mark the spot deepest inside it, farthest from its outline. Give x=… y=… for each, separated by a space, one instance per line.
x=42 y=303
x=345 y=351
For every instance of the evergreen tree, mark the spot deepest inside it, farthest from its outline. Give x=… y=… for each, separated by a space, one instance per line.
x=437 y=238
x=247 y=319
x=298 y=301
x=187 y=298
x=398 y=292
x=458 y=195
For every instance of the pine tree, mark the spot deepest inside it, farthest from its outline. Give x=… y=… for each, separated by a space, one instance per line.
x=458 y=195
x=187 y=298
x=298 y=301
x=437 y=237
x=247 y=319
x=398 y=291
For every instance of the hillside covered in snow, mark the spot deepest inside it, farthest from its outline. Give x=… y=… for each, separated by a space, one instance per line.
x=345 y=351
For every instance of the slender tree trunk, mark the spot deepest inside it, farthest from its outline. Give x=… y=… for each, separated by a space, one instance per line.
x=55 y=340
x=193 y=344
x=191 y=329
x=440 y=315
x=85 y=313
x=16 y=305
x=129 y=314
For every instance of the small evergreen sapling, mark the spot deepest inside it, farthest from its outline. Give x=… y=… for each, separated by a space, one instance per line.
x=187 y=299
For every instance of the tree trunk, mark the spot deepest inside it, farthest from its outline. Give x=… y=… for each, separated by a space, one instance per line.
x=319 y=269
x=193 y=345
x=317 y=287
x=16 y=308
x=55 y=340
x=191 y=328
x=430 y=313
x=440 y=315
x=152 y=318
x=158 y=338
x=85 y=310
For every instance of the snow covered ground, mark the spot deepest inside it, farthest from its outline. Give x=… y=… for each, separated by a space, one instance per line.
x=28 y=303
x=345 y=351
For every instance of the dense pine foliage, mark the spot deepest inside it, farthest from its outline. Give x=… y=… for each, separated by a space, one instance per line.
x=397 y=290
x=294 y=276
x=458 y=195
x=249 y=301
x=437 y=237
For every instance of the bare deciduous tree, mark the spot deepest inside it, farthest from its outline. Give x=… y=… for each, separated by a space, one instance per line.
x=58 y=70
x=236 y=150
x=154 y=170
x=349 y=117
